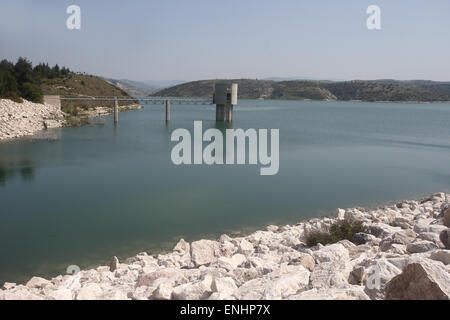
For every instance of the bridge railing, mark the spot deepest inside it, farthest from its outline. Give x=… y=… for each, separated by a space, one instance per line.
x=147 y=100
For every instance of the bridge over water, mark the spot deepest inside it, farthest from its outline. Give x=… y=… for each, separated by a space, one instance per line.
x=146 y=100
x=225 y=96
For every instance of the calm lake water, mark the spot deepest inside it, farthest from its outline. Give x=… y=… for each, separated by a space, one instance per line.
x=85 y=194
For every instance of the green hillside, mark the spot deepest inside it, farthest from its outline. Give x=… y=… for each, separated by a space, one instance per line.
x=21 y=80
x=376 y=90
x=248 y=88
x=77 y=85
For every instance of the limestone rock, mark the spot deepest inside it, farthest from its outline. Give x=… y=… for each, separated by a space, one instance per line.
x=243 y=275
x=113 y=294
x=20 y=293
x=193 y=291
x=441 y=255
x=427 y=225
x=445 y=238
x=362 y=238
x=421 y=246
x=382 y=230
x=182 y=247
x=226 y=249
x=91 y=291
x=357 y=276
x=331 y=253
x=339 y=214
x=163 y=292
x=276 y=285
x=204 y=252
x=304 y=260
x=50 y=124
x=8 y=285
x=220 y=296
x=245 y=247
x=403 y=237
x=179 y=258
x=329 y=274
x=349 y=293
x=142 y=293
x=420 y=281
x=225 y=286
x=430 y=236
x=231 y=263
x=355 y=215
x=376 y=274
x=61 y=294
x=113 y=264
x=150 y=278
x=38 y=282
x=225 y=238
x=446 y=217
x=272 y=228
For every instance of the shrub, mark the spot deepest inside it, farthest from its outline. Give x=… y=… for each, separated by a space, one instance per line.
x=8 y=83
x=341 y=230
x=13 y=96
x=70 y=109
x=31 y=92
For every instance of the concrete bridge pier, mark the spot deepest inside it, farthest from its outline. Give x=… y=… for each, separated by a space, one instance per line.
x=116 y=110
x=225 y=97
x=167 y=110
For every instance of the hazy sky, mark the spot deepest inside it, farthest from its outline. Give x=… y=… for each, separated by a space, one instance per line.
x=203 y=39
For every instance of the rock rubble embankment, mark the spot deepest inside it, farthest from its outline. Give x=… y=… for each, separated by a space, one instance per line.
x=27 y=118
x=405 y=254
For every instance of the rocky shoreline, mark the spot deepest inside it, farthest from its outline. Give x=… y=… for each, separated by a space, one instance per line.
x=104 y=111
x=405 y=254
x=27 y=118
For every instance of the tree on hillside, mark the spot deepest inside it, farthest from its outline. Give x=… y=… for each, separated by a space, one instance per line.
x=6 y=66
x=56 y=70
x=43 y=70
x=8 y=83
x=23 y=70
x=29 y=83
x=65 y=71
x=32 y=92
x=22 y=80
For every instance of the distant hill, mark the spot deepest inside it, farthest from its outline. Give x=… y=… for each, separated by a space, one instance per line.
x=161 y=84
x=133 y=88
x=142 y=88
x=299 y=78
x=364 y=90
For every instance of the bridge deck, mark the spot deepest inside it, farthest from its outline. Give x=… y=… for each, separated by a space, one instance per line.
x=149 y=100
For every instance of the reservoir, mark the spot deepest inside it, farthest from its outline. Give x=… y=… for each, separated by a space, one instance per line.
x=78 y=196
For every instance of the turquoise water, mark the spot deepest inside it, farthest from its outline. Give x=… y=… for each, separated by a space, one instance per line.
x=84 y=194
